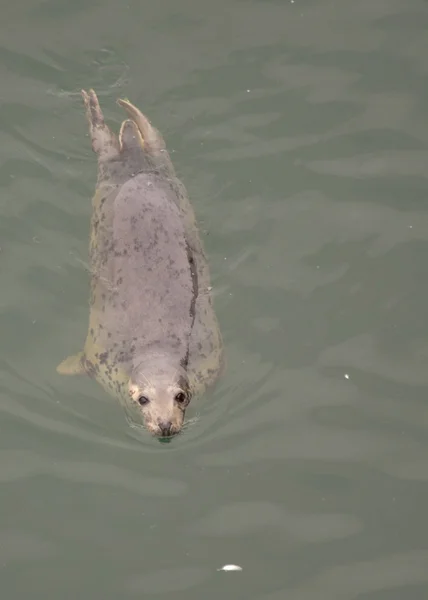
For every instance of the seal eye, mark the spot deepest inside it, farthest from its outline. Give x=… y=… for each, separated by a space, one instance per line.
x=143 y=400
x=180 y=397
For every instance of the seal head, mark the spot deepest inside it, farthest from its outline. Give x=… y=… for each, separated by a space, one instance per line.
x=160 y=392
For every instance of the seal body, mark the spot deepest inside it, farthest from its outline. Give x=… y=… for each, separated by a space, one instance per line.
x=153 y=338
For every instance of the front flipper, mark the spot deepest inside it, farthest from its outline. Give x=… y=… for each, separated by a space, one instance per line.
x=104 y=142
x=72 y=365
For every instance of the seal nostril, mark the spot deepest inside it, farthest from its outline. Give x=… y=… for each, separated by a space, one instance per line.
x=165 y=427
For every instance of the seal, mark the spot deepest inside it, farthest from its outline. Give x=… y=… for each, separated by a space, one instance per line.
x=153 y=337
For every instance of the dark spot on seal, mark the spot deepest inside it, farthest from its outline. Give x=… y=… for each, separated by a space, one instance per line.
x=103 y=358
x=89 y=368
x=123 y=357
x=138 y=245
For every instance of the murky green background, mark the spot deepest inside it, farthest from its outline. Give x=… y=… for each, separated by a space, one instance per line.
x=301 y=131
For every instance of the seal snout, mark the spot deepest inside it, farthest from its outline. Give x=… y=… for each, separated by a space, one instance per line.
x=165 y=428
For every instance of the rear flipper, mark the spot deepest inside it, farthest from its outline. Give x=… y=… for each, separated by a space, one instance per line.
x=130 y=138
x=104 y=142
x=152 y=138
x=152 y=141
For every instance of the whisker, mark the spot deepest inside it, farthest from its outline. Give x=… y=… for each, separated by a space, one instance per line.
x=147 y=380
x=190 y=422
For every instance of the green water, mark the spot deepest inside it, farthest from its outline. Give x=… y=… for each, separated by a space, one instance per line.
x=301 y=132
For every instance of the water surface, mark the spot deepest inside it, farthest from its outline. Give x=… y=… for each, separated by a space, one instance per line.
x=301 y=131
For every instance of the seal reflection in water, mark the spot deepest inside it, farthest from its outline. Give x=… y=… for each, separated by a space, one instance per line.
x=153 y=339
